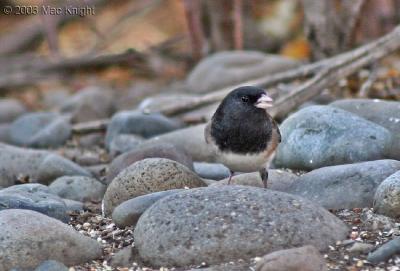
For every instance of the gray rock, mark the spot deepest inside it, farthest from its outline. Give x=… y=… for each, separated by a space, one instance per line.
x=384 y=113
x=51 y=265
x=29 y=238
x=344 y=186
x=373 y=222
x=305 y=258
x=229 y=68
x=148 y=176
x=5 y=133
x=158 y=102
x=191 y=140
x=161 y=150
x=387 y=196
x=211 y=171
x=360 y=248
x=385 y=252
x=220 y=224
x=54 y=98
x=123 y=258
x=36 y=165
x=319 y=136
x=10 y=109
x=133 y=122
x=99 y=172
x=34 y=197
x=278 y=180
x=124 y=143
x=88 y=104
x=91 y=140
x=129 y=212
x=73 y=205
x=79 y=188
x=40 y=130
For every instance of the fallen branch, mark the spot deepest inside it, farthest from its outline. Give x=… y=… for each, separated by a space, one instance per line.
x=91 y=126
x=26 y=69
x=342 y=65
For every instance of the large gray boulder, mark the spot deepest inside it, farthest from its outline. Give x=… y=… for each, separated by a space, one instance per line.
x=383 y=113
x=319 y=136
x=220 y=224
x=29 y=238
x=344 y=186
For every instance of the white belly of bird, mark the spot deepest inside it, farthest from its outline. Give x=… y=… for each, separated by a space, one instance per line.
x=243 y=162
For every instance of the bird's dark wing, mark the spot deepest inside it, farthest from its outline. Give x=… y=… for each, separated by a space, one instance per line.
x=275 y=126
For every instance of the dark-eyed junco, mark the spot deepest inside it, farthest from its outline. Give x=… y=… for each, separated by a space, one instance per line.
x=242 y=133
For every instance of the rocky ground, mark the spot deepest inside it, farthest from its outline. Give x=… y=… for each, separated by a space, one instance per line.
x=143 y=191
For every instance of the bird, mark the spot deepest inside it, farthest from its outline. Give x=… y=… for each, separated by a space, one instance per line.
x=242 y=134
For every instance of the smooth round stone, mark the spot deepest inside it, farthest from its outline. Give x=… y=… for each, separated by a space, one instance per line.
x=220 y=224
x=73 y=205
x=28 y=238
x=129 y=212
x=307 y=257
x=229 y=68
x=40 y=130
x=10 y=109
x=319 y=136
x=79 y=188
x=36 y=165
x=145 y=125
x=191 y=140
x=161 y=150
x=387 y=196
x=344 y=186
x=124 y=143
x=88 y=104
x=34 y=197
x=148 y=176
x=211 y=171
x=383 y=113
x=5 y=133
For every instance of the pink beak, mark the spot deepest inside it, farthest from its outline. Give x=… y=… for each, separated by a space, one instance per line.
x=264 y=102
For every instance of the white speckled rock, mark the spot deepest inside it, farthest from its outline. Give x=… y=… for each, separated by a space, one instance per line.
x=148 y=176
x=387 y=196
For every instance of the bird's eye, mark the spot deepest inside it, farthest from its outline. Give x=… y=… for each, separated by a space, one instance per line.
x=245 y=99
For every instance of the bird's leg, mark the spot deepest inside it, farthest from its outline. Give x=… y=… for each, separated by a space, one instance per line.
x=264 y=176
x=230 y=176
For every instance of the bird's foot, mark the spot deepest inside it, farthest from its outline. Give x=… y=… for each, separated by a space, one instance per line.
x=230 y=177
x=264 y=177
